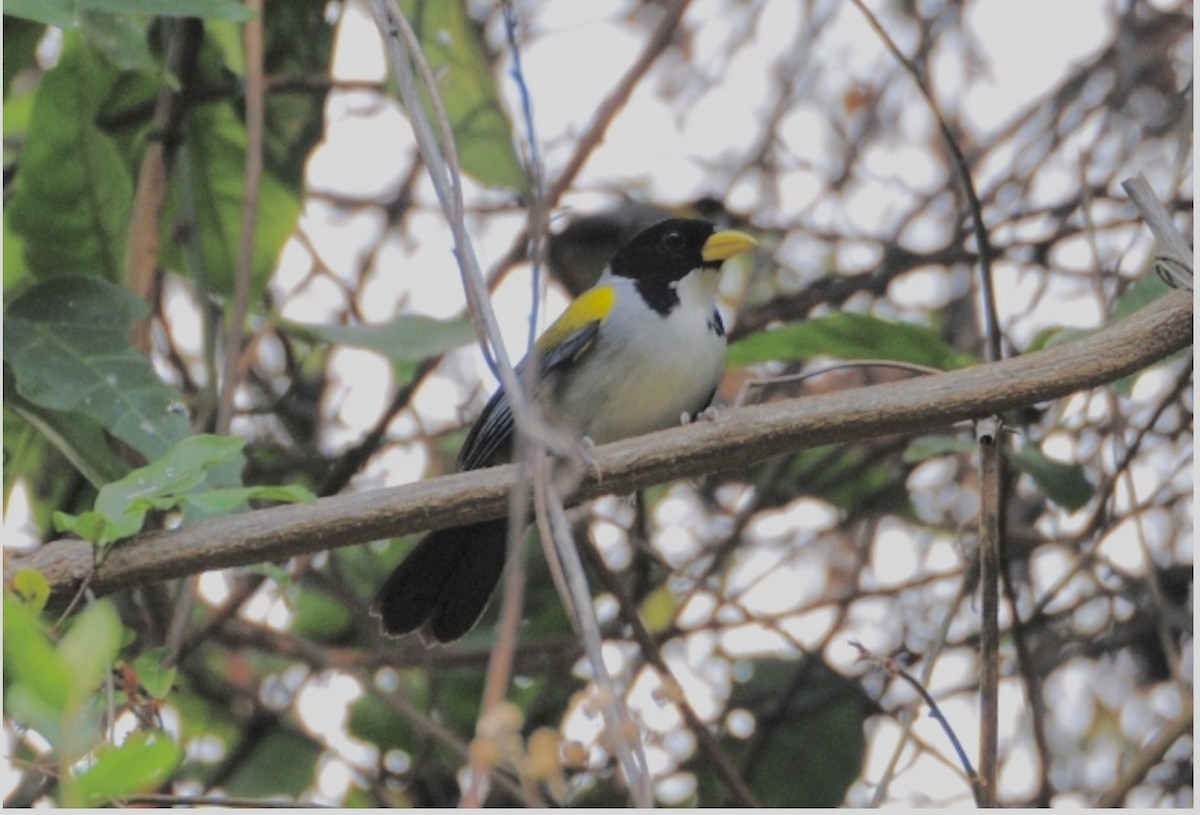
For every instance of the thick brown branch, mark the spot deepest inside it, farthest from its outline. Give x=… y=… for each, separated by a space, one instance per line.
x=734 y=439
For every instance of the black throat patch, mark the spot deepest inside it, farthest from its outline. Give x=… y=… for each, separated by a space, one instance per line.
x=660 y=295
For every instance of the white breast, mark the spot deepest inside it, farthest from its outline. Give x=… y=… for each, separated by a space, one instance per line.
x=646 y=369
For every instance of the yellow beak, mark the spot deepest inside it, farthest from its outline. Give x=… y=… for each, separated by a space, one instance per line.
x=724 y=245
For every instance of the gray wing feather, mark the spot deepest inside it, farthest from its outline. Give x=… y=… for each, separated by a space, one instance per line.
x=490 y=441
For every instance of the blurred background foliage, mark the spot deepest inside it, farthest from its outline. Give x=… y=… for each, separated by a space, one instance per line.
x=273 y=682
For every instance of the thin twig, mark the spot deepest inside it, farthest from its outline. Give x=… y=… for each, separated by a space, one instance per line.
x=500 y=660
x=593 y=134
x=1148 y=757
x=1176 y=262
x=536 y=172
x=499 y=667
x=991 y=537
x=929 y=659
x=623 y=734
x=170 y=801
x=991 y=321
x=750 y=385
x=444 y=173
x=892 y=667
x=743 y=796
x=244 y=272
x=405 y=50
x=993 y=496
x=1033 y=688
x=141 y=271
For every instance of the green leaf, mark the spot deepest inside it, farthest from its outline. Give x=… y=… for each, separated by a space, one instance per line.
x=1064 y=484
x=79 y=438
x=207 y=193
x=99 y=529
x=120 y=38
x=226 y=501
x=30 y=658
x=75 y=193
x=220 y=9
x=62 y=12
x=409 y=338
x=320 y=616
x=459 y=60
x=32 y=588
x=927 y=447
x=1142 y=293
x=152 y=673
x=295 y=44
x=51 y=12
x=201 y=475
x=187 y=467
x=1045 y=338
x=90 y=647
x=66 y=343
x=845 y=335
x=144 y=761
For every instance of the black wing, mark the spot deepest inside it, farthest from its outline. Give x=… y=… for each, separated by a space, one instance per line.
x=490 y=441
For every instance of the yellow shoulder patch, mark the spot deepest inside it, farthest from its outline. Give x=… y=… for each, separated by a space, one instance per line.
x=590 y=307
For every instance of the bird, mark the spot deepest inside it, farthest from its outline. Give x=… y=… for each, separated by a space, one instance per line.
x=577 y=254
x=637 y=352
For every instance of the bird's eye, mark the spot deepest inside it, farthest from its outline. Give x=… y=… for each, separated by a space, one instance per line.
x=673 y=241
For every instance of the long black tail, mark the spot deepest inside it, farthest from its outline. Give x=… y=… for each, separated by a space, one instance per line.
x=444 y=584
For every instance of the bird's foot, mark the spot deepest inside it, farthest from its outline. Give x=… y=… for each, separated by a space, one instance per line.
x=587 y=449
x=707 y=415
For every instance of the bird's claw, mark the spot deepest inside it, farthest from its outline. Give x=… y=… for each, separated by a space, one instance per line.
x=707 y=415
x=587 y=448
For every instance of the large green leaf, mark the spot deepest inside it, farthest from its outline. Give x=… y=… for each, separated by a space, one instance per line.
x=63 y=13
x=52 y=688
x=1063 y=483
x=78 y=437
x=408 y=338
x=90 y=646
x=29 y=656
x=845 y=335
x=74 y=191
x=139 y=764
x=201 y=476
x=207 y=192
x=121 y=38
x=459 y=60
x=220 y=9
x=66 y=344
x=51 y=12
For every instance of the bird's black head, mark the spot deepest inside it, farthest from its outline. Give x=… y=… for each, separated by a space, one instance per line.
x=665 y=252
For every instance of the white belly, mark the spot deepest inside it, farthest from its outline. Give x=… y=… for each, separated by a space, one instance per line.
x=643 y=373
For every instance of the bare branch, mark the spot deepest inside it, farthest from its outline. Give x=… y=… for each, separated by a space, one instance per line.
x=734 y=439
x=1180 y=262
